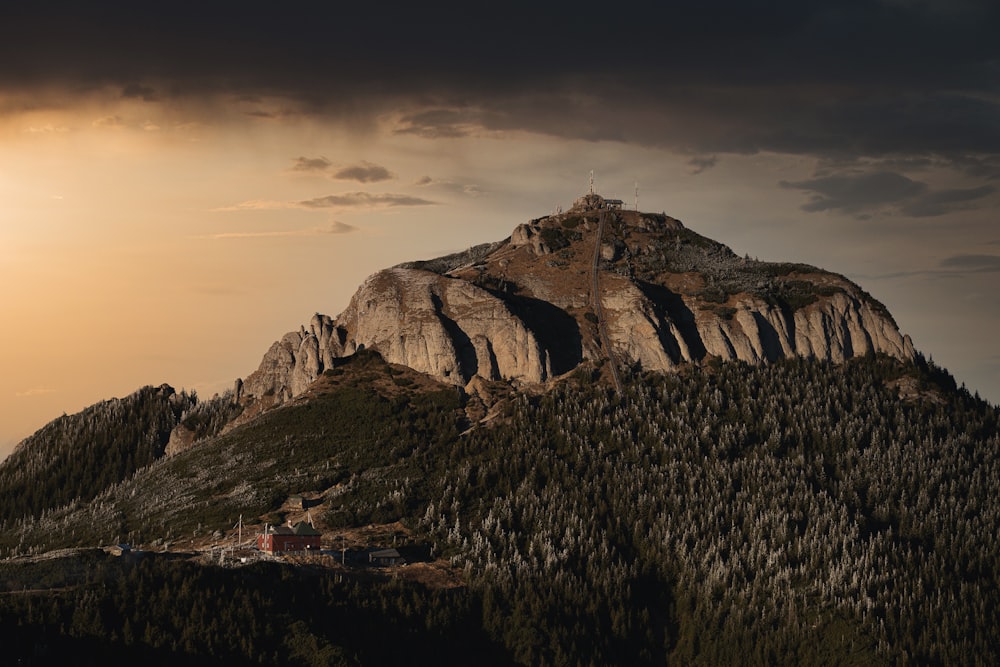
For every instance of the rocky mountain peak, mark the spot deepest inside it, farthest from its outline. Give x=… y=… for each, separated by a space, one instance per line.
x=595 y=282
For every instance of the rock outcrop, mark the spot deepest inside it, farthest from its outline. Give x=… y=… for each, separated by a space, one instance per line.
x=295 y=361
x=524 y=310
x=444 y=327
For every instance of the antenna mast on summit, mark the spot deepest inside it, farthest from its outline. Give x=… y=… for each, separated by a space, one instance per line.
x=637 y=195
x=591 y=181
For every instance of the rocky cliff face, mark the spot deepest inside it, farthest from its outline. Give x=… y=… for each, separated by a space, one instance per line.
x=534 y=306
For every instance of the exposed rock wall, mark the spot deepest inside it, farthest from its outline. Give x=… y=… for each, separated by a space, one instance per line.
x=453 y=330
x=294 y=362
x=442 y=326
x=835 y=328
x=516 y=311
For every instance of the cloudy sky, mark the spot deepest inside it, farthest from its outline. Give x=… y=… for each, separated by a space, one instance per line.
x=181 y=184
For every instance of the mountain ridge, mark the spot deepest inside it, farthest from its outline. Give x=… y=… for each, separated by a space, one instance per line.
x=525 y=309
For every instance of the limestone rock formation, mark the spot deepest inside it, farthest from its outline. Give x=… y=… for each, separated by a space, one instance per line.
x=295 y=361
x=525 y=310
x=442 y=326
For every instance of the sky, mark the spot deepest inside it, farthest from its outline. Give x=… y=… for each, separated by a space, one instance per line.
x=181 y=184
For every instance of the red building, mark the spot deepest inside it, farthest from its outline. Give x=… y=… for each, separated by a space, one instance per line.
x=279 y=539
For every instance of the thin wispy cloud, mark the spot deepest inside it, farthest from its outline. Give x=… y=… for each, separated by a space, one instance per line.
x=863 y=194
x=311 y=164
x=109 y=121
x=34 y=391
x=48 y=128
x=256 y=205
x=139 y=91
x=469 y=189
x=263 y=115
x=334 y=228
x=950 y=267
x=363 y=200
x=364 y=172
x=942 y=202
x=345 y=200
x=973 y=263
x=440 y=123
x=701 y=163
x=856 y=193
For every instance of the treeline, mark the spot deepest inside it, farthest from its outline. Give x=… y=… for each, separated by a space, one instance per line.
x=77 y=457
x=159 y=611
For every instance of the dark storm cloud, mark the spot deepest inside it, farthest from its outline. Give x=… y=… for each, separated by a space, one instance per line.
x=860 y=76
x=364 y=172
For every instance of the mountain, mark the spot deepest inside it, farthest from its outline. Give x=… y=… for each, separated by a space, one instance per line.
x=717 y=462
x=595 y=282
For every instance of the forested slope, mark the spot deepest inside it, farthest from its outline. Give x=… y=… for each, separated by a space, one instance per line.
x=76 y=457
x=794 y=513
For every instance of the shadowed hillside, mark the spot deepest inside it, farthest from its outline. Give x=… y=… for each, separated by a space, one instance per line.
x=796 y=513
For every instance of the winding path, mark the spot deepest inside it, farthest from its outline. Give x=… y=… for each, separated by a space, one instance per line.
x=598 y=309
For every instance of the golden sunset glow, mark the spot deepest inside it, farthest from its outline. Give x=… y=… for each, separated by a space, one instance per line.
x=164 y=219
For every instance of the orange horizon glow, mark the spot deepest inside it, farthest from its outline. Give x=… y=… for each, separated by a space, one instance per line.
x=145 y=242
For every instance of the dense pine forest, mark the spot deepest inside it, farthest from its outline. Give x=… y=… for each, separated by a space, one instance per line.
x=798 y=513
x=794 y=513
x=75 y=457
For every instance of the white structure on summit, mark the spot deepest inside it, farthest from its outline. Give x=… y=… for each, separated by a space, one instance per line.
x=594 y=201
